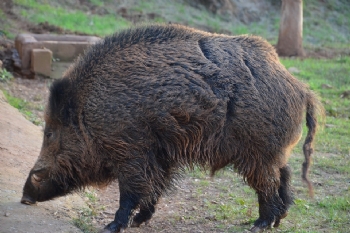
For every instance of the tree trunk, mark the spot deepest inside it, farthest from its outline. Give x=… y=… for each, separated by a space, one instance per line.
x=290 y=38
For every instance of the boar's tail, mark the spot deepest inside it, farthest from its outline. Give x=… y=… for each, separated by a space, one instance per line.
x=313 y=110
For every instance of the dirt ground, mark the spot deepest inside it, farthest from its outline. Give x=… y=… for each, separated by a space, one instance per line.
x=20 y=142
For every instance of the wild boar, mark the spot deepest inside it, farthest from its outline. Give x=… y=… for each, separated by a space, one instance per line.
x=147 y=102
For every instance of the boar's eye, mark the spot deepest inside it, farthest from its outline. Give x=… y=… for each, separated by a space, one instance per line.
x=48 y=135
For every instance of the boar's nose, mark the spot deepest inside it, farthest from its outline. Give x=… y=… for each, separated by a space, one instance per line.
x=27 y=200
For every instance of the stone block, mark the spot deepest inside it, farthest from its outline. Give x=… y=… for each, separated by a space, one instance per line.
x=24 y=44
x=41 y=61
x=63 y=47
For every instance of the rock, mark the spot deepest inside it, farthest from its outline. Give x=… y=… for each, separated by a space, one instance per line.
x=345 y=94
x=293 y=70
x=211 y=218
x=7 y=214
x=326 y=86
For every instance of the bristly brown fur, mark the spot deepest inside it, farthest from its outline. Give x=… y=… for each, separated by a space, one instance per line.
x=147 y=102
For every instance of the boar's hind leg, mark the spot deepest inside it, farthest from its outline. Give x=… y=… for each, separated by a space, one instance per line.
x=273 y=205
x=270 y=211
x=285 y=192
x=145 y=214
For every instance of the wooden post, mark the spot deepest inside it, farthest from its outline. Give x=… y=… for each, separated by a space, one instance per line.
x=290 y=38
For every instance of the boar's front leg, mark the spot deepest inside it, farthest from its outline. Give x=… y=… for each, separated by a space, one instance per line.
x=138 y=185
x=127 y=204
x=130 y=181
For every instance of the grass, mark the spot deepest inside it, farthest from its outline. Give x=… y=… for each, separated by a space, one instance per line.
x=74 y=20
x=326 y=24
x=4 y=28
x=5 y=75
x=84 y=219
x=330 y=78
x=234 y=207
x=24 y=107
x=16 y=102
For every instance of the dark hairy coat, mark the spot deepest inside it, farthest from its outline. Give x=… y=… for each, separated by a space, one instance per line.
x=145 y=103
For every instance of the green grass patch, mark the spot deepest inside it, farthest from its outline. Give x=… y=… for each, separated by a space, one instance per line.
x=5 y=75
x=16 y=102
x=84 y=221
x=329 y=78
x=97 y=2
x=73 y=20
x=234 y=205
x=144 y=6
x=24 y=107
x=85 y=216
x=326 y=23
x=338 y=204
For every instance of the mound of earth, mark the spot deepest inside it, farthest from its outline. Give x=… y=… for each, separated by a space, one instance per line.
x=20 y=143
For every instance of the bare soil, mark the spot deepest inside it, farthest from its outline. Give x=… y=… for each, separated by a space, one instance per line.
x=20 y=143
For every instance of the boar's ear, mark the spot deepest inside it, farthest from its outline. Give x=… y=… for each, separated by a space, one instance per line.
x=61 y=101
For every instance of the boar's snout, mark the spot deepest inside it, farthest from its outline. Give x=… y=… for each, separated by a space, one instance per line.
x=31 y=188
x=28 y=200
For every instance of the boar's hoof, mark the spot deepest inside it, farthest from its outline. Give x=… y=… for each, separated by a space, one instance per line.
x=256 y=229
x=109 y=231
x=113 y=227
x=27 y=200
x=262 y=225
x=137 y=224
x=277 y=222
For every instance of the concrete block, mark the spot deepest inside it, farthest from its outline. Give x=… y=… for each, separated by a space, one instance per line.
x=41 y=61
x=24 y=44
x=63 y=47
x=65 y=50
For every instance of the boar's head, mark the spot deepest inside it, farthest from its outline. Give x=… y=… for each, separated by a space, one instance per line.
x=58 y=170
